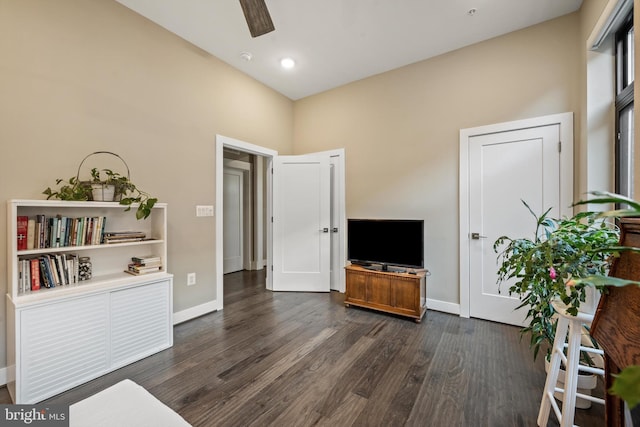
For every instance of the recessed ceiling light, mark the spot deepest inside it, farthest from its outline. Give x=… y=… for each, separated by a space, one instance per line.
x=472 y=11
x=287 y=63
x=246 y=56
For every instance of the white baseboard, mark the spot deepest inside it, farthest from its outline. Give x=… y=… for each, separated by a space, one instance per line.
x=4 y=376
x=197 y=311
x=444 y=306
x=257 y=265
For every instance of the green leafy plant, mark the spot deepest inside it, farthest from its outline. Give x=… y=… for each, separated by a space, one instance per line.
x=71 y=189
x=560 y=250
x=129 y=194
x=627 y=383
x=126 y=191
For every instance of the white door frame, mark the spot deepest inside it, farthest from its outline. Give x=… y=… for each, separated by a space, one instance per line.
x=565 y=120
x=221 y=143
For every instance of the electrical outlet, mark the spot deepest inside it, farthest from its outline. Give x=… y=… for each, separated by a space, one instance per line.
x=191 y=279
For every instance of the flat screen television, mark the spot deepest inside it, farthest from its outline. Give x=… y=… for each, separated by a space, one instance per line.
x=383 y=243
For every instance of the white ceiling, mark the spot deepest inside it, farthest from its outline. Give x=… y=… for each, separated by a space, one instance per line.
x=335 y=42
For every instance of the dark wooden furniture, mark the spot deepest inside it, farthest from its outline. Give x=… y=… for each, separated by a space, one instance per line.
x=616 y=324
x=397 y=293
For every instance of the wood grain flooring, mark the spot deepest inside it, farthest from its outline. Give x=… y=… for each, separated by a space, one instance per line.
x=303 y=359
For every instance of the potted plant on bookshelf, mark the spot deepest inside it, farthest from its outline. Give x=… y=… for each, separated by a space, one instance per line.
x=103 y=188
x=108 y=187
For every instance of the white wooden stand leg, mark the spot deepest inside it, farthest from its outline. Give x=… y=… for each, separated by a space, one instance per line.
x=554 y=370
x=569 y=328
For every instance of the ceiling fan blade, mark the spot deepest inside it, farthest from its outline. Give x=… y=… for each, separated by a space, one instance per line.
x=257 y=16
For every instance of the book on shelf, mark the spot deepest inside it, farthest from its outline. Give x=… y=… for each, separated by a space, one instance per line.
x=138 y=270
x=45 y=273
x=123 y=236
x=54 y=269
x=35 y=274
x=31 y=233
x=22 y=226
x=146 y=259
x=22 y=275
x=41 y=225
x=144 y=265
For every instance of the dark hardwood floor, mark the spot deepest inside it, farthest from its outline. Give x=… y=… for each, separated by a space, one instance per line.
x=296 y=359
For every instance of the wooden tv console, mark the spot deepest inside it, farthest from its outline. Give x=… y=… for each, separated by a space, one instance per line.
x=397 y=293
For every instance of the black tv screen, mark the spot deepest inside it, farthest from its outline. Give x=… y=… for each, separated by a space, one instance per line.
x=396 y=242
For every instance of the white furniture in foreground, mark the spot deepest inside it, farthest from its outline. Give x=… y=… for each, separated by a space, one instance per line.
x=61 y=337
x=568 y=335
x=125 y=404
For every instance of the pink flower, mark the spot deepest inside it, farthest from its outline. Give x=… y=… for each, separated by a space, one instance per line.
x=552 y=273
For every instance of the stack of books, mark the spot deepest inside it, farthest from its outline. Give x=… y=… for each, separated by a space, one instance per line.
x=144 y=265
x=123 y=236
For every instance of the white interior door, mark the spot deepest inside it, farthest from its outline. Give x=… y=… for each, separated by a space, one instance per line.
x=301 y=223
x=336 y=264
x=233 y=220
x=504 y=169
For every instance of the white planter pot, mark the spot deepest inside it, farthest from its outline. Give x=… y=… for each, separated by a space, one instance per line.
x=586 y=383
x=103 y=193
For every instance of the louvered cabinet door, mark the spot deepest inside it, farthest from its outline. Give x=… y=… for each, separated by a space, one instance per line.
x=141 y=322
x=61 y=345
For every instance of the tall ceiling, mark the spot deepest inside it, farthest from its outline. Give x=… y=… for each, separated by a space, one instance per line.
x=335 y=42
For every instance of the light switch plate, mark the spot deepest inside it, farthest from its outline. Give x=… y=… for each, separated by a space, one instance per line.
x=204 y=210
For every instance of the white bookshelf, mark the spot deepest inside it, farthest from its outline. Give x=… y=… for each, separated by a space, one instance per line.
x=60 y=337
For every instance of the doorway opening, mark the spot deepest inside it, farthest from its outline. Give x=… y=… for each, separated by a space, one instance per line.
x=262 y=233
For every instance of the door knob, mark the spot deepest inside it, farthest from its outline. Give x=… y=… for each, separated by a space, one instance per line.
x=477 y=236
x=335 y=229
x=325 y=230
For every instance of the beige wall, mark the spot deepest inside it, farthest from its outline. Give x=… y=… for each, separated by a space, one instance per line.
x=400 y=129
x=78 y=76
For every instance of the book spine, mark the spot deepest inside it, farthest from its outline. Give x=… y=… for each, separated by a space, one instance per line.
x=27 y=275
x=85 y=230
x=45 y=274
x=54 y=271
x=21 y=276
x=80 y=231
x=73 y=238
x=31 y=233
x=22 y=223
x=62 y=230
x=52 y=232
x=40 y=223
x=58 y=232
x=104 y=221
x=60 y=267
x=35 y=274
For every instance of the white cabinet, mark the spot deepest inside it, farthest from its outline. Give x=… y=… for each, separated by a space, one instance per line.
x=60 y=337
